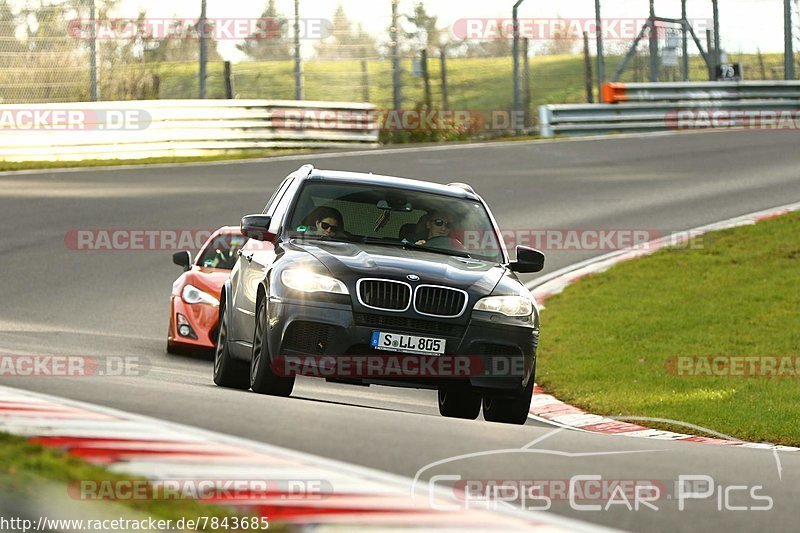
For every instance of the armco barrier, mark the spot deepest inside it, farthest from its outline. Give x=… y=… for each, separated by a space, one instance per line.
x=154 y=128
x=614 y=93
x=649 y=107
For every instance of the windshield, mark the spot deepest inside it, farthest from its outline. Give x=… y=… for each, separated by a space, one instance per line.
x=395 y=217
x=221 y=252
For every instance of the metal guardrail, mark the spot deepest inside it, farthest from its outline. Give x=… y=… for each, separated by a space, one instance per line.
x=693 y=91
x=645 y=107
x=155 y=128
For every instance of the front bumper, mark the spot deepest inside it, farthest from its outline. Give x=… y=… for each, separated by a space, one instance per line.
x=498 y=357
x=203 y=319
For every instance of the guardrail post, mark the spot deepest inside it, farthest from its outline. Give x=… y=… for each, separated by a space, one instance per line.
x=545 y=121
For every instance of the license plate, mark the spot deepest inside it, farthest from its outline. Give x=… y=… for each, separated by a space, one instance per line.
x=398 y=342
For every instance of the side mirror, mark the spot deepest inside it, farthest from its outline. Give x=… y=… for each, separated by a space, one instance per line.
x=256 y=227
x=529 y=260
x=183 y=259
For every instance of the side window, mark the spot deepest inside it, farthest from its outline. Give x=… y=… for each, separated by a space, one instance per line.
x=276 y=196
x=282 y=206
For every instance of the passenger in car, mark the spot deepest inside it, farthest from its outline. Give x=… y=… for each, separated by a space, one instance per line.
x=439 y=224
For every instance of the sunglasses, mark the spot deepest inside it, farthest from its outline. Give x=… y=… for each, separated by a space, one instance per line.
x=439 y=222
x=329 y=227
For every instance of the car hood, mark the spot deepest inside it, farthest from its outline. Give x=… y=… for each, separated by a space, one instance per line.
x=209 y=280
x=350 y=261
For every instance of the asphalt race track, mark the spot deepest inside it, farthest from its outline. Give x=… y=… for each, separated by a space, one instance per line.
x=58 y=301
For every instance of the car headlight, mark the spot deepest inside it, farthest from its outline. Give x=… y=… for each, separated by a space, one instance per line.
x=305 y=281
x=193 y=295
x=516 y=306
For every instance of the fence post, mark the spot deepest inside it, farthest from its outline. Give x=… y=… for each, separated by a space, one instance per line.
x=299 y=92
x=601 y=64
x=365 y=80
x=788 y=52
x=654 y=59
x=93 y=90
x=228 y=81
x=587 y=69
x=203 y=49
x=443 y=58
x=526 y=86
x=711 y=56
x=397 y=90
x=426 y=77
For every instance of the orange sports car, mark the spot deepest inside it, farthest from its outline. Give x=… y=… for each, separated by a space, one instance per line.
x=194 y=303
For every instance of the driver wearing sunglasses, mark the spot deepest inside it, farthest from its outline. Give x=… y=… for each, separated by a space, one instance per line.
x=329 y=222
x=439 y=225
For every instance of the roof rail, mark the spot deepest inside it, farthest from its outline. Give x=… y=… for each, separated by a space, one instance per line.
x=305 y=170
x=463 y=186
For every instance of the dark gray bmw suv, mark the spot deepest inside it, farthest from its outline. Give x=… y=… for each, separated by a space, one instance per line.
x=368 y=279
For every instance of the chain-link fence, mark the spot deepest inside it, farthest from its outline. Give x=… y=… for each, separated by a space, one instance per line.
x=46 y=54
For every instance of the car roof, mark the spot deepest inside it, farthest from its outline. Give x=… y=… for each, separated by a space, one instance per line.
x=391 y=181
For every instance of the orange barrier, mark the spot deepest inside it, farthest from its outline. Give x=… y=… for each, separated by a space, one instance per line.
x=614 y=93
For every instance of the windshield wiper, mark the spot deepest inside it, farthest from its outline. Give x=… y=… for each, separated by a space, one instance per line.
x=408 y=245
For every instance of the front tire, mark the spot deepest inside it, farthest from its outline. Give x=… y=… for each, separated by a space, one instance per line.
x=228 y=372
x=262 y=379
x=512 y=410
x=459 y=403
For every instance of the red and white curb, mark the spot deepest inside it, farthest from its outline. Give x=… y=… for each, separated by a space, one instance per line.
x=350 y=496
x=548 y=408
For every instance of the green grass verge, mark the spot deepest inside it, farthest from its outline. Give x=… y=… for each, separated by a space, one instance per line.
x=607 y=339
x=24 y=465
